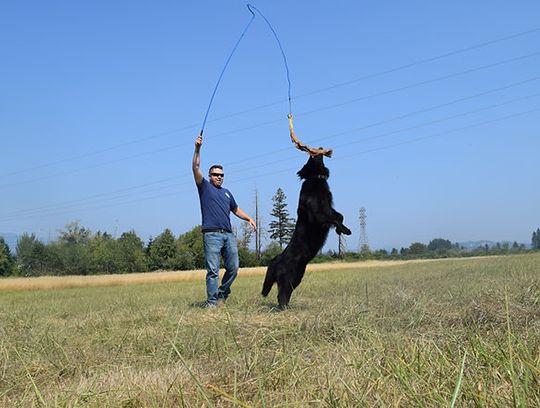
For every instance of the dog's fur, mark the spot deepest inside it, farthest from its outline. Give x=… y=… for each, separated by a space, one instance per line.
x=315 y=218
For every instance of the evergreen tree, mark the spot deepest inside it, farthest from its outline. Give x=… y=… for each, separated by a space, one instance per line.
x=162 y=252
x=131 y=253
x=283 y=227
x=536 y=239
x=30 y=255
x=6 y=259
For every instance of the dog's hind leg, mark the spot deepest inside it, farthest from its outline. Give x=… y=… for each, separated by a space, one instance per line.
x=268 y=281
x=284 y=294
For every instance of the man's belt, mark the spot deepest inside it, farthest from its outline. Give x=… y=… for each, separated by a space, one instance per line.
x=215 y=230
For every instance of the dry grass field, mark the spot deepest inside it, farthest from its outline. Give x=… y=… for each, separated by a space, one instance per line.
x=63 y=282
x=459 y=332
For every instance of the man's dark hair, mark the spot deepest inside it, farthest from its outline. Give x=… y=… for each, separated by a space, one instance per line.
x=215 y=166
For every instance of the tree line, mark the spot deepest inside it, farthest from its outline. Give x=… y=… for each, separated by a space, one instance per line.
x=78 y=251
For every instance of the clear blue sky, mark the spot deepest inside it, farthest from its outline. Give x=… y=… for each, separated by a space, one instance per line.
x=432 y=109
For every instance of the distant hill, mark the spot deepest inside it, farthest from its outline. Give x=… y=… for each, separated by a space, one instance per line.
x=476 y=244
x=490 y=244
x=11 y=240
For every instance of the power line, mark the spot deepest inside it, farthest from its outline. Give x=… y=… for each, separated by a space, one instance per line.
x=383 y=93
x=259 y=165
x=264 y=106
x=415 y=140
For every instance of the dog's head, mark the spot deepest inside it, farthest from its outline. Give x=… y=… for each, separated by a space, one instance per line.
x=314 y=168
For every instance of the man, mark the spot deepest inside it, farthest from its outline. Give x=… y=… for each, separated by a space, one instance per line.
x=216 y=205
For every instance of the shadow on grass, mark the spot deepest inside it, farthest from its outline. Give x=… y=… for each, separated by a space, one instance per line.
x=272 y=307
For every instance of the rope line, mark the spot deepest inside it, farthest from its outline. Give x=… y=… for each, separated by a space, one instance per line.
x=250 y=7
x=252 y=10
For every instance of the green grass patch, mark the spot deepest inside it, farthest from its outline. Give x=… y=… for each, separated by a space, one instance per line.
x=460 y=332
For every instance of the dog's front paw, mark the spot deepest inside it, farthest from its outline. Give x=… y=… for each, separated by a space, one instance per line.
x=342 y=229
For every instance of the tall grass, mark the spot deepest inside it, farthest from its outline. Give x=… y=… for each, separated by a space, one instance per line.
x=444 y=333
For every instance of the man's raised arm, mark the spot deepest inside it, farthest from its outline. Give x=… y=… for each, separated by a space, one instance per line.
x=197 y=174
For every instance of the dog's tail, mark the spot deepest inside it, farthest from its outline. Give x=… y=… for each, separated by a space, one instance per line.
x=268 y=280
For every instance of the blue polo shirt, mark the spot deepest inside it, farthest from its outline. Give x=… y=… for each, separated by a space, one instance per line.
x=216 y=205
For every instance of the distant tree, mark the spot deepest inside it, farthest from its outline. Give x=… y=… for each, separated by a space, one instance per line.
x=515 y=245
x=535 y=242
x=283 y=227
x=54 y=263
x=270 y=252
x=380 y=254
x=162 y=252
x=132 y=257
x=190 y=250
x=30 y=255
x=74 y=251
x=247 y=258
x=246 y=233
x=103 y=253
x=417 y=248
x=74 y=234
x=439 y=245
x=6 y=259
x=394 y=251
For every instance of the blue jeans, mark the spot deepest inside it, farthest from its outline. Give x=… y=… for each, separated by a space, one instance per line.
x=215 y=245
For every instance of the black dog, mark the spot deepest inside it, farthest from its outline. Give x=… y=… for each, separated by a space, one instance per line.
x=315 y=217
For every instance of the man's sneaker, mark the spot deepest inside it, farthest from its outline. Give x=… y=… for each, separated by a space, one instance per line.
x=209 y=305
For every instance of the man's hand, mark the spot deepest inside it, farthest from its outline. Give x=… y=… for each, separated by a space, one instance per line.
x=253 y=225
x=198 y=141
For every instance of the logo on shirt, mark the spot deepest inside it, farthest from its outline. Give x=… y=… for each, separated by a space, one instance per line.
x=227 y=194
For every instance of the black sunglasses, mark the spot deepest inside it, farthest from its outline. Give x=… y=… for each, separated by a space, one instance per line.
x=218 y=174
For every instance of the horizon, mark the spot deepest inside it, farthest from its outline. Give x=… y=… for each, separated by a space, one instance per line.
x=432 y=114
x=468 y=244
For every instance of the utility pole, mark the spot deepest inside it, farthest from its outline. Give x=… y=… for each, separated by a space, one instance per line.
x=342 y=246
x=363 y=245
x=258 y=232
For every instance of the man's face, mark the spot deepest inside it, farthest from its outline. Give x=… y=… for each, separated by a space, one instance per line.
x=216 y=176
